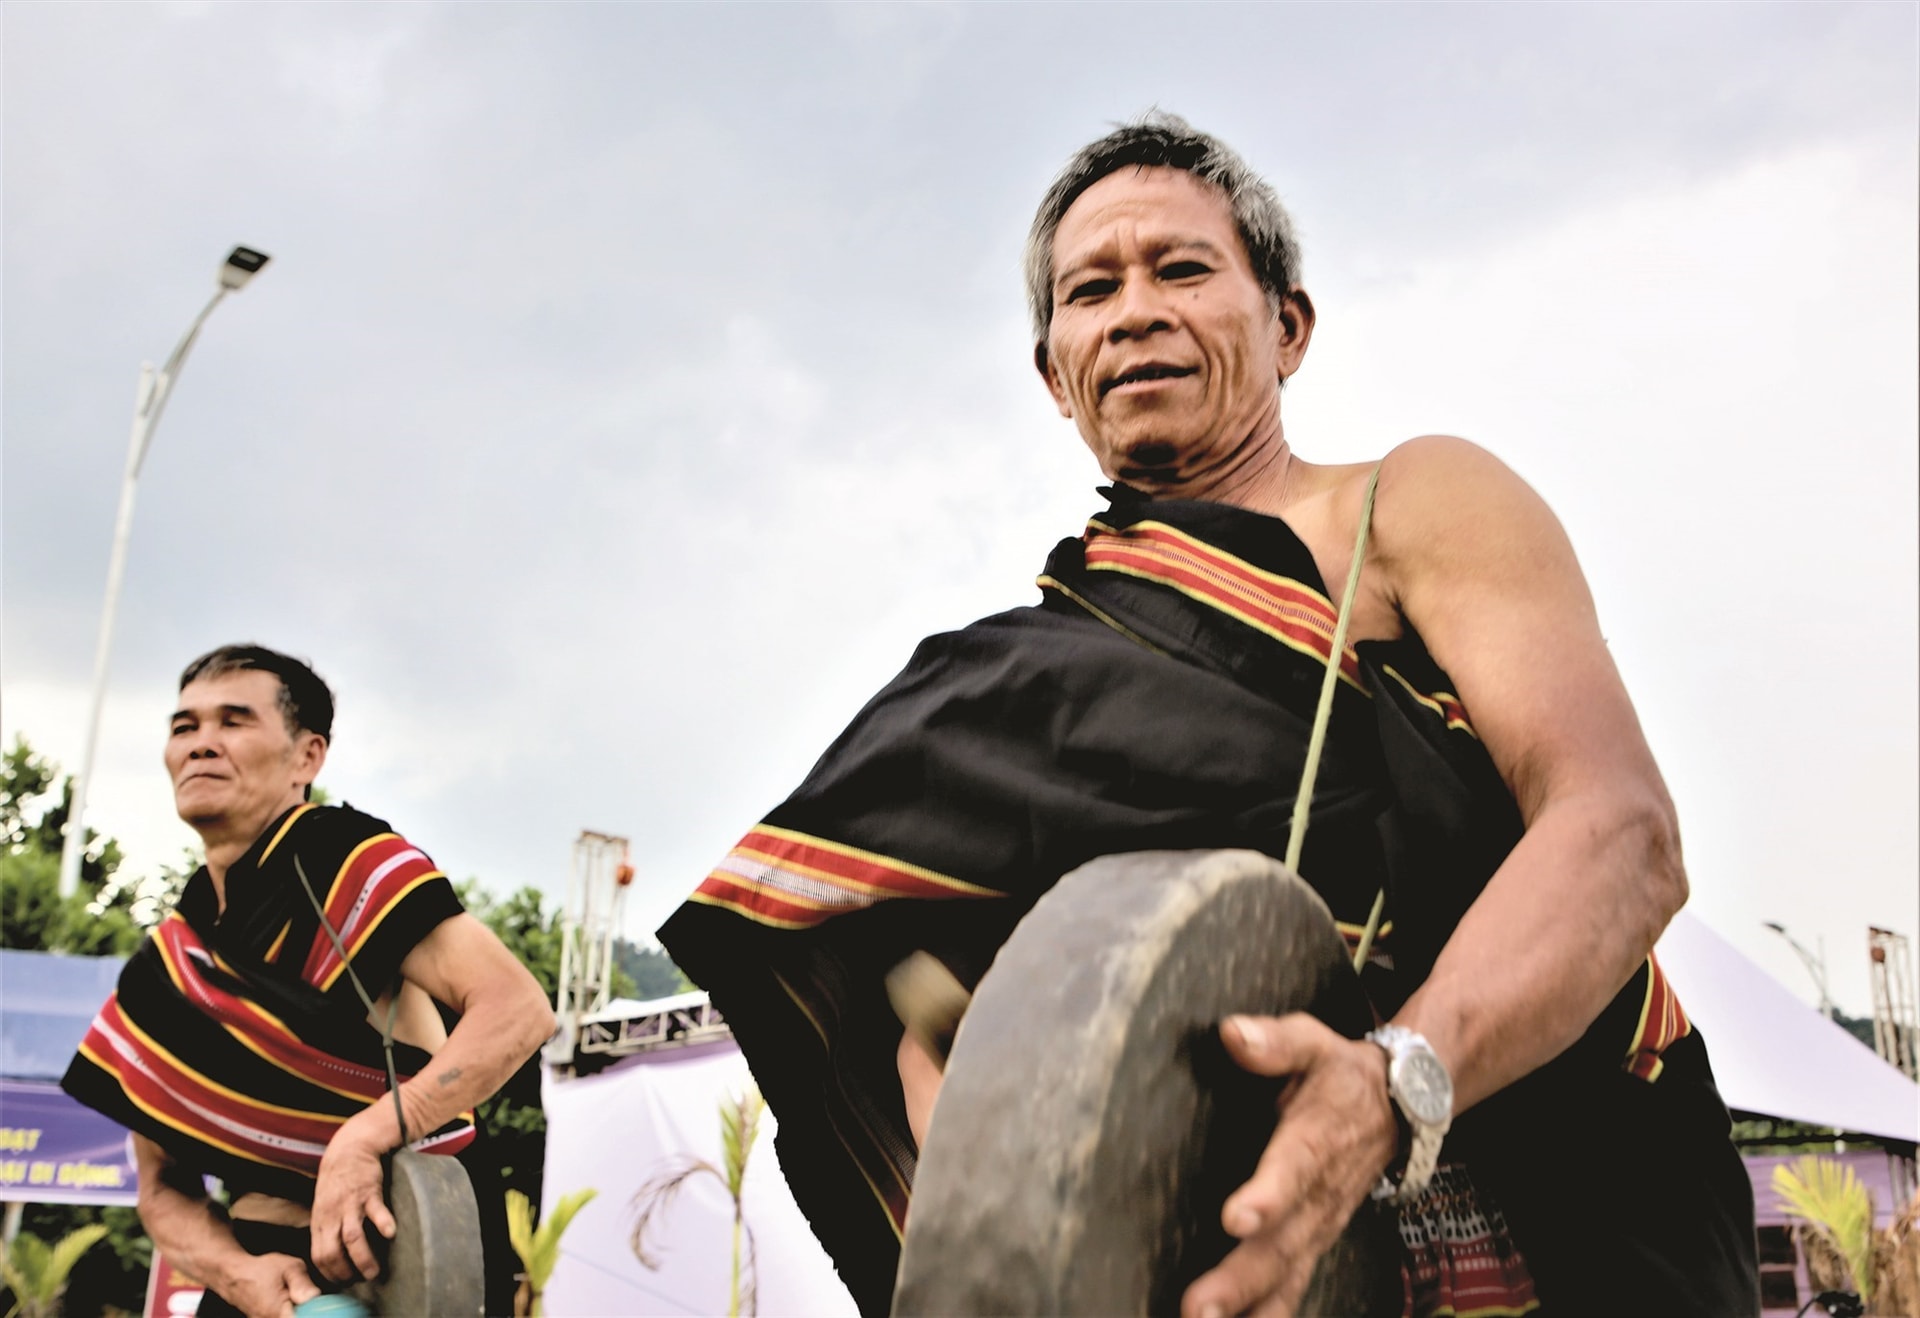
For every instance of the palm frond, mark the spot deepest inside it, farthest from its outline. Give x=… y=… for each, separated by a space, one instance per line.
x=546 y=1240
x=1827 y=1195
x=36 y=1272
x=739 y=1125
x=656 y=1197
x=26 y=1264
x=520 y=1227
x=67 y=1252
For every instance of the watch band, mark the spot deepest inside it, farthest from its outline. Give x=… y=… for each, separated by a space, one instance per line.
x=1422 y=1090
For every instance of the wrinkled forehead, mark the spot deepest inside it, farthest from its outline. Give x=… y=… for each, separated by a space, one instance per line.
x=1154 y=204
x=250 y=687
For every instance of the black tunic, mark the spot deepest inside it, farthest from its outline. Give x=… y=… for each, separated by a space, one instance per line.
x=1160 y=696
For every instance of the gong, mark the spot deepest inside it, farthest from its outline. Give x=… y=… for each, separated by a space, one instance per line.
x=434 y=1267
x=1091 y=1125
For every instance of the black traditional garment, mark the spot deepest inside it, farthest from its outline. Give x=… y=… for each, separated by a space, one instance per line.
x=235 y=1040
x=1160 y=696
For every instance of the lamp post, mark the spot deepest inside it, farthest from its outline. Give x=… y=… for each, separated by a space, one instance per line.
x=242 y=264
x=1816 y=966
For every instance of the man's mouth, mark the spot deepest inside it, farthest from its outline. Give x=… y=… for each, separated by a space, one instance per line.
x=1142 y=374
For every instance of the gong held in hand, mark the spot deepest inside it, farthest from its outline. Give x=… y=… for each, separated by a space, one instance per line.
x=1091 y=1124
x=433 y=1267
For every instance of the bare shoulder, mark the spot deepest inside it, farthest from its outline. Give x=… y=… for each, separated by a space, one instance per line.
x=1437 y=475
x=1445 y=505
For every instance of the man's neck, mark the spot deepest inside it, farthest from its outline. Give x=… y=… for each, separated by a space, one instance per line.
x=1258 y=474
x=227 y=841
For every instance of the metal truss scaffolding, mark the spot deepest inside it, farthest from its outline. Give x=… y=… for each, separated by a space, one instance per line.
x=1890 y=965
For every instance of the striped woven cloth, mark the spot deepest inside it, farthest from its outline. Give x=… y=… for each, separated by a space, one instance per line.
x=235 y=1039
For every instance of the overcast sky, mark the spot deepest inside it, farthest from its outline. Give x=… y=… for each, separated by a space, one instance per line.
x=633 y=385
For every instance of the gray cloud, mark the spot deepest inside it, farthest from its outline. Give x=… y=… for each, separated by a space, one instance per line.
x=633 y=384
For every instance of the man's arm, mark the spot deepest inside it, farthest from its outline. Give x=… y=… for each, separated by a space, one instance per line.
x=197 y=1241
x=1482 y=570
x=504 y=1018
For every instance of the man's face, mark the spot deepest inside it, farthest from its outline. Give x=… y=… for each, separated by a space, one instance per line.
x=233 y=762
x=1163 y=348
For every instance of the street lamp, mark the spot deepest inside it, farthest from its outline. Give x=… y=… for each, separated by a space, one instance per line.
x=241 y=265
x=1816 y=966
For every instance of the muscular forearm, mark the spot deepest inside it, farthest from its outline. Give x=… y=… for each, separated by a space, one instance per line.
x=1562 y=925
x=194 y=1237
x=496 y=1034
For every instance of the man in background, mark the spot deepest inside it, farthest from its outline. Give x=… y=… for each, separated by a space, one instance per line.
x=238 y=1043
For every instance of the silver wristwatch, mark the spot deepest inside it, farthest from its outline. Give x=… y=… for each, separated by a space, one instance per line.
x=1421 y=1088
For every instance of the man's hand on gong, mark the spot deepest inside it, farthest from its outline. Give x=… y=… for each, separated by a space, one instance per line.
x=1336 y=1136
x=347 y=1197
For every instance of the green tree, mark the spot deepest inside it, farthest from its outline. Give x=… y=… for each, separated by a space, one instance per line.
x=513 y=1120
x=96 y=920
x=652 y=971
x=33 y=915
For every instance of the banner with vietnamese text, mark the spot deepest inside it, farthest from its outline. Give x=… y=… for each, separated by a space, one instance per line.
x=54 y=1150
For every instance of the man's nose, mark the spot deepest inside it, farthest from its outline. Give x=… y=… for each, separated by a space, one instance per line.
x=1139 y=309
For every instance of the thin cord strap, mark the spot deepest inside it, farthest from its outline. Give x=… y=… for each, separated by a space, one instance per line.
x=1323 y=715
x=393 y=1007
x=1303 y=799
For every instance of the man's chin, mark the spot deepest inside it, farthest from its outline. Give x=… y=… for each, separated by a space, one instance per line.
x=199 y=814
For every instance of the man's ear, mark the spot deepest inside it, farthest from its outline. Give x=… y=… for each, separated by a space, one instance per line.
x=309 y=756
x=1296 y=331
x=1044 y=364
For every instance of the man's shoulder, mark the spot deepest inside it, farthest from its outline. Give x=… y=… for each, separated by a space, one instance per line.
x=1441 y=492
x=341 y=820
x=339 y=829
x=1446 y=459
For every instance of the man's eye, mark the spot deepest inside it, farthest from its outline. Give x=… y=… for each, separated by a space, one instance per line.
x=1184 y=270
x=180 y=729
x=1092 y=288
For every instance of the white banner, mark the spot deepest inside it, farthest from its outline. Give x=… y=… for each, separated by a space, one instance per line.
x=653 y=1116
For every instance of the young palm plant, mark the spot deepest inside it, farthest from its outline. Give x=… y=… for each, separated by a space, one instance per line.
x=1828 y=1197
x=539 y=1249
x=739 y=1125
x=36 y=1272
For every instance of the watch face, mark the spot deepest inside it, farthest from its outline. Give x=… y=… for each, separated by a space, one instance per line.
x=1424 y=1088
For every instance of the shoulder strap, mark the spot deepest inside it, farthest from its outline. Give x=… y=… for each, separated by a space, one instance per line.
x=1323 y=714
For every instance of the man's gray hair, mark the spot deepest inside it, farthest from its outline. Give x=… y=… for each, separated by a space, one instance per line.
x=1161 y=139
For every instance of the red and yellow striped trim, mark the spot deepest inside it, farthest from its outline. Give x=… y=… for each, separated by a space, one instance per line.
x=1289 y=611
x=369 y=885
x=790 y=880
x=1662 y=1023
x=1444 y=703
x=285 y=827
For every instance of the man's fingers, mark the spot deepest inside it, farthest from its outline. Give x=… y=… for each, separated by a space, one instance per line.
x=1255 y=1271
x=326 y=1253
x=1275 y=1045
x=380 y=1216
x=360 y=1251
x=1290 y=1175
x=300 y=1287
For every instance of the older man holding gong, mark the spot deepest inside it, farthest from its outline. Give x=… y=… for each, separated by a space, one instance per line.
x=1484 y=778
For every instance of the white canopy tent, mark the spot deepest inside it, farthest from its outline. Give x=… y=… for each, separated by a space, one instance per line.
x=1772 y=1054
x=1775 y=1056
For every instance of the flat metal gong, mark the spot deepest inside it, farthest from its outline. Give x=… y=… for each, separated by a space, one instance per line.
x=434 y=1267
x=1091 y=1125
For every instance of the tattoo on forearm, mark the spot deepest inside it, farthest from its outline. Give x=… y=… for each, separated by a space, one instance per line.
x=449 y=1075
